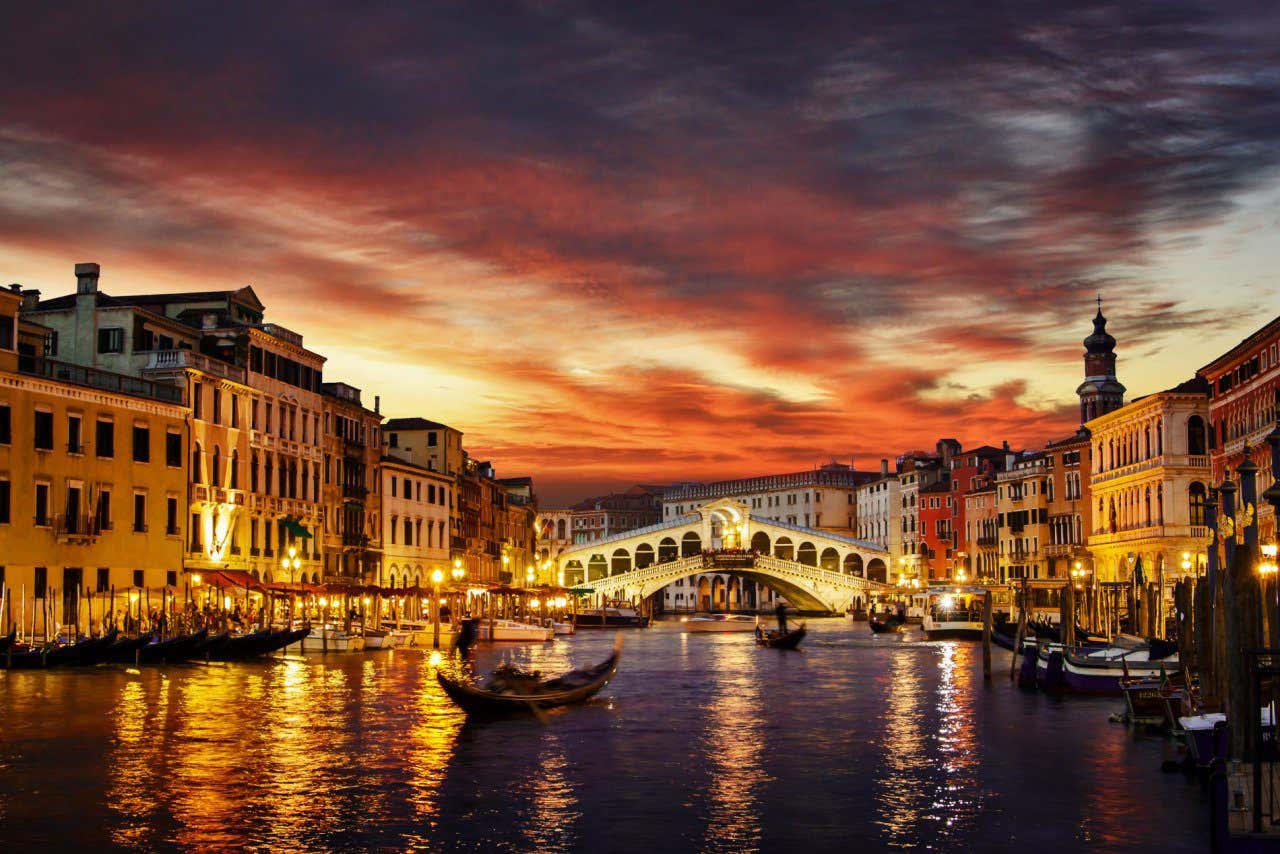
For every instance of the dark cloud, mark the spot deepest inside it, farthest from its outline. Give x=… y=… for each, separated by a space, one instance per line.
x=823 y=191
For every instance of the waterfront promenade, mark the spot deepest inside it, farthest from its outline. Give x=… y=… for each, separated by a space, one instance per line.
x=702 y=743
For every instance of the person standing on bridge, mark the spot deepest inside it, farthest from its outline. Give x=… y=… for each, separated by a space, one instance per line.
x=781 y=613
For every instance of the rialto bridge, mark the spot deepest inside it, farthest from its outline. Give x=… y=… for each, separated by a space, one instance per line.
x=815 y=570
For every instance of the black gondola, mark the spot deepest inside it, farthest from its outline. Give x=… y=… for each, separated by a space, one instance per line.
x=174 y=649
x=8 y=640
x=505 y=695
x=241 y=647
x=125 y=650
x=781 y=640
x=891 y=623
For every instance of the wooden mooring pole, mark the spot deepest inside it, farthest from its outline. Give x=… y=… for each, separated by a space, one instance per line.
x=986 y=636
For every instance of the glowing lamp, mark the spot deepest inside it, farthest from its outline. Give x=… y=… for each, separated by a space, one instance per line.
x=437 y=576
x=195 y=580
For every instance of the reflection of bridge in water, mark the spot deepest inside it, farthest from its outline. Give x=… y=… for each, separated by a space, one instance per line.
x=815 y=570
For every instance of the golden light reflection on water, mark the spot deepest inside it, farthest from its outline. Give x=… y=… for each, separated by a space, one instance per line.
x=733 y=742
x=433 y=733
x=956 y=798
x=899 y=794
x=555 y=811
x=135 y=774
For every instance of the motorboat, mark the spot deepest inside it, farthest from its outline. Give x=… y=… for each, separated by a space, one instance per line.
x=611 y=617
x=328 y=638
x=511 y=630
x=562 y=628
x=1103 y=670
x=1206 y=734
x=953 y=612
x=718 y=623
x=377 y=639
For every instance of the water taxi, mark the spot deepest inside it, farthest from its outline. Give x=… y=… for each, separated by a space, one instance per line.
x=953 y=612
x=718 y=623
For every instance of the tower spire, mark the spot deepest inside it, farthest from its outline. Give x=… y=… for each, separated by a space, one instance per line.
x=1100 y=392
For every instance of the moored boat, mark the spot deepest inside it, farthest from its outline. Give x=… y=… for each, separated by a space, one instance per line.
x=612 y=617
x=511 y=692
x=890 y=624
x=718 y=623
x=953 y=612
x=512 y=630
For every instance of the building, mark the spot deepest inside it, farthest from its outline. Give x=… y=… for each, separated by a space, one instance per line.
x=431 y=444
x=969 y=469
x=555 y=532
x=1244 y=393
x=982 y=532
x=1101 y=392
x=93 y=483
x=1149 y=491
x=415 y=520
x=917 y=470
x=1070 y=518
x=1022 y=507
x=823 y=498
x=936 y=512
x=594 y=519
x=879 y=510
x=230 y=363
x=353 y=527
x=521 y=537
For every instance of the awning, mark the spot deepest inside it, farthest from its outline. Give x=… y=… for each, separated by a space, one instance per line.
x=582 y=591
x=294 y=528
x=232 y=578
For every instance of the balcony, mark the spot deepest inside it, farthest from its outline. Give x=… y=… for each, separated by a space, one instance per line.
x=1164 y=460
x=351 y=490
x=165 y=361
x=1149 y=532
x=77 y=526
x=100 y=380
x=355 y=540
x=1063 y=549
x=987 y=541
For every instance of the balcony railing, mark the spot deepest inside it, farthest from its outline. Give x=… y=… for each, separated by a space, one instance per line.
x=356 y=540
x=101 y=380
x=351 y=490
x=1171 y=460
x=177 y=360
x=1120 y=535
x=75 y=525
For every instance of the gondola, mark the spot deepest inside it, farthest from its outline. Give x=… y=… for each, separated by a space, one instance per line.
x=242 y=647
x=125 y=650
x=576 y=686
x=285 y=637
x=174 y=649
x=782 y=640
x=8 y=640
x=892 y=623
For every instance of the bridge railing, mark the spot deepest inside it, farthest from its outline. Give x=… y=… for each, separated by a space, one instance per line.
x=652 y=572
x=633 y=532
x=815 y=533
x=815 y=573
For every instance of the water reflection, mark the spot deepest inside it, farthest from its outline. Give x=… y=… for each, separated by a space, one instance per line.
x=433 y=732
x=957 y=799
x=555 y=814
x=899 y=794
x=135 y=773
x=733 y=741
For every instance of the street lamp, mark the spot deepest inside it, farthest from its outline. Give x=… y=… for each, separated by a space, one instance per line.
x=291 y=563
x=458 y=572
x=436 y=577
x=528 y=574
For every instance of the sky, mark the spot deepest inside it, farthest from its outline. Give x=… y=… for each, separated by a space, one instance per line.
x=658 y=242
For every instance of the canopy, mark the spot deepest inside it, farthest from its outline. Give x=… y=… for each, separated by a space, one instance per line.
x=582 y=591
x=294 y=528
x=232 y=578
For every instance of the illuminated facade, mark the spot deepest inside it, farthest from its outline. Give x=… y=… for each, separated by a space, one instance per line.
x=879 y=510
x=92 y=482
x=415 y=505
x=1149 y=482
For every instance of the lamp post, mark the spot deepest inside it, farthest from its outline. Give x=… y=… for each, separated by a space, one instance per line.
x=290 y=564
x=1266 y=571
x=436 y=577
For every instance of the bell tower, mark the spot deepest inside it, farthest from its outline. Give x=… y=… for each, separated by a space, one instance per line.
x=1100 y=392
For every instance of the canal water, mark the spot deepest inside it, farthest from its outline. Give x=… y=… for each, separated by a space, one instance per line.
x=702 y=743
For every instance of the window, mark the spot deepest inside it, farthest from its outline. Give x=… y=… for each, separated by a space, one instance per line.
x=173 y=449
x=394 y=440
x=195 y=533
x=75 y=438
x=171 y=516
x=140 y=512
x=104 y=579
x=408 y=532
x=111 y=340
x=141 y=444
x=43 y=436
x=235 y=410
x=5 y=510
x=171 y=577
x=105 y=444
x=41 y=581
x=431 y=440
x=103 y=512
x=217 y=406
x=6 y=332
x=138 y=579
x=197 y=400
x=51 y=344
x=42 y=504
x=6 y=426
x=393 y=488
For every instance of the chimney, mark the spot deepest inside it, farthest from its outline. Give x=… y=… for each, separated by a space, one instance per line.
x=377 y=404
x=884 y=467
x=30 y=299
x=1006 y=445
x=87 y=278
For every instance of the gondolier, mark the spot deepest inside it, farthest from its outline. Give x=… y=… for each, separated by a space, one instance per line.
x=781 y=613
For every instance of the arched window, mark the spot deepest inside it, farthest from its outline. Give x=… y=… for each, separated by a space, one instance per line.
x=1198 y=500
x=197 y=473
x=215 y=472
x=1195 y=436
x=235 y=470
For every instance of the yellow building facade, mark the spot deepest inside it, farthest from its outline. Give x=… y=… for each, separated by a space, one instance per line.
x=92 y=486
